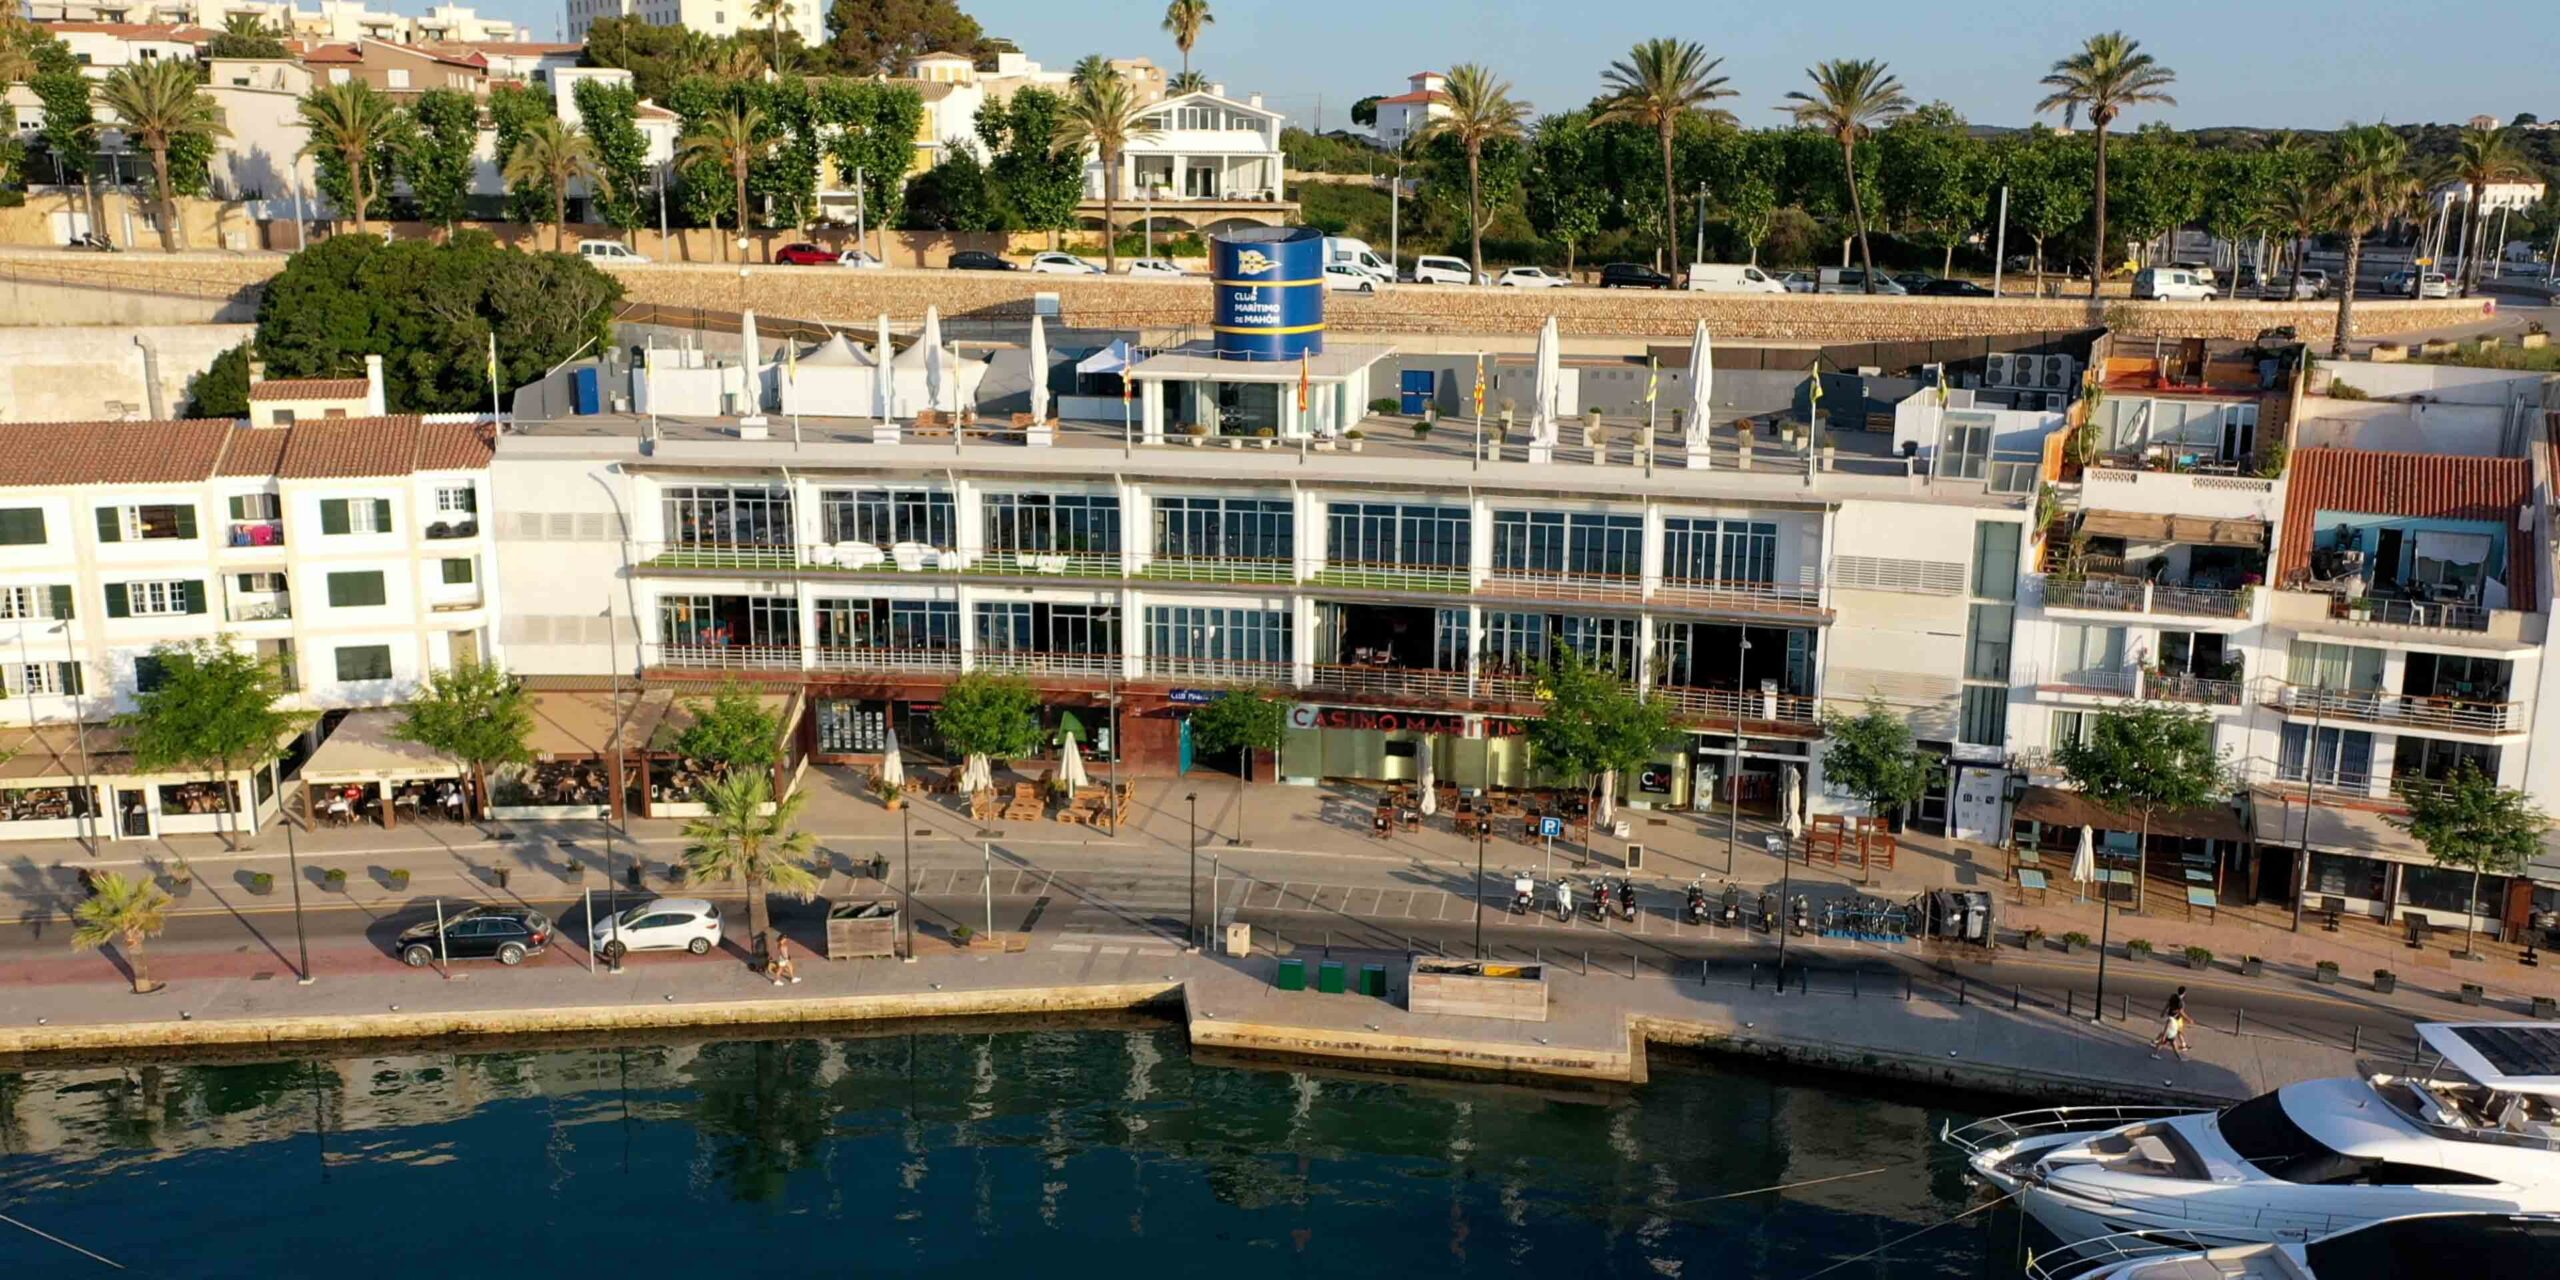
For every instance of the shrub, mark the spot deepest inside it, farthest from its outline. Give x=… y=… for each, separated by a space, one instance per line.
x=2075 y=938
x=2327 y=965
x=335 y=878
x=261 y=882
x=962 y=933
x=398 y=877
x=1384 y=404
x=2199 y=956
x=2348 y=391
x=2138 y=948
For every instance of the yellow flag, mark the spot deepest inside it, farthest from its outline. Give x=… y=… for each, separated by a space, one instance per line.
x=1652 y=378
x=1479 y=384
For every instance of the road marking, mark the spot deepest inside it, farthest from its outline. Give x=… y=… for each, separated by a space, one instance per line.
x=1068 y=946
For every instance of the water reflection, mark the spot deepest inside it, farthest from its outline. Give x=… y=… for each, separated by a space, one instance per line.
x=1073 y=1149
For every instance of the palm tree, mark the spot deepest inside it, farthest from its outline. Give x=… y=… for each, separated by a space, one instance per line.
x=1093 y=68
x=1104 y=113
x=349 y=121
x=555 y=155
x=1658 y=84
x=1188 y=82
x=2370 y=179
x=736 y=839
x=733 y=138
x=1481 y=110
x=2481 y=157
x=2109 y=74
x=771 y=13
x=156 y=103
x=1851 y=97
x=2301 y=209
x=120 y=909
x=1185 y=18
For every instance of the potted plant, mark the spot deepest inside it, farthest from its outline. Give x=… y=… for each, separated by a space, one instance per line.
x=397 y=878
x=1422 y=427
x=675 y=873
x=2325 y=973
x=1353 y=437
x=334 y=879
x=2385 y=982
x=1383 y=404
x=1199 y=433
x=2199 y=958
x=2031 y=937
x=961 y=933
x=887 y=794
x=182 y=880
x=2137 y=948
x=2252 y=966
x=2474 y=993
x=2074 y=942
x=1263 y=436
x=262 y=883
x=2360 y=608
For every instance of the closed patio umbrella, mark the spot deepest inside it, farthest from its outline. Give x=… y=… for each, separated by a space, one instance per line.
x=1608 y=812
x=2084 y=862
x=1039 y=370
x=1791 y=804
x=975 y=776
x=1428 y=805
x=1702 y=382
x=937 y=374
x=893 y=763
x=884 y=387
x=1544 y=393
x=1071 y=777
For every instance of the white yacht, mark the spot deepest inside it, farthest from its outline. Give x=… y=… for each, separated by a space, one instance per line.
x=2477 y=1132
x=2473 y=1244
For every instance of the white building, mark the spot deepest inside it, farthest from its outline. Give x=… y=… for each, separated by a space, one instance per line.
x=710 y=17
x=103 y=48
x=2496 y=196
x=1426 y=98
x=332 y=20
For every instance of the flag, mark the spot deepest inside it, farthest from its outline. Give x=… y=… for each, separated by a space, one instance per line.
x=1303 y=372
x=1652 y=378
x=1128 y=385
x=1479 y=384
x=1813 y=399
x=493 y=364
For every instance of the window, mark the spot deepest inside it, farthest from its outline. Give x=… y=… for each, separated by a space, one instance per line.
x=1224 y=528
x=1986 y=650
x=261 y=584
x=21 y=603
x=1235 y=635
x=1391 y=534
x=1995 y=560
x=364 y=662
x=149 y=673
x=1555 y=542
x=2087 y=654
x=44 y=679
x=359 y=589
x=2069 y=728
x=156 y=599
x=22 y=527
x=457 y=500
x=1704 y=550
x=2314 y=665
x=1043 y=522
x=1022 y=627
x=355 y=515
x=889 y=624
x=727 y=515
x=457 y=571
x=337 y=75
x=256 y=506
x=146 y=523
x=399 y=77
x=1964 y=448
x=2342 y=757
x=284 y=417
x=887 y=517
x=1985 y=715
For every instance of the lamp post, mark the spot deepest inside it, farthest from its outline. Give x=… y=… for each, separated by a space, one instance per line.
x=1481 y=828
x=301 y=940
x=1193 y=799
x=907 y=872
x=2106 y=918
x=1777 y=846
x=1733 y=768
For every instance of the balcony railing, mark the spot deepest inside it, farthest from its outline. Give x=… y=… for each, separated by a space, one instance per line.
x=730 y=657
x=1739 y=596
x=2453 y=715
x=1225 y=671
x=2448 y=616
x=455 y=604
x=748 y=557
x=2105 y=682
x=841 y=658
x=1724 y=704
x=1219 y=569
x=263 y=607
x=1565 y=584
x=2205 y=602
x=2178 y=686
x=1367 y=575
x=2135 y=595
x=1392 y=682
x=1034 y=663
x=2115 y=595
x=1034 y=564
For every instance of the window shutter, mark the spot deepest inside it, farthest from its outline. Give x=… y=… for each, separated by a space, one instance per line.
x=187 y=521
x=117 y=604
x=194 y=591
x=239 y=507
x=333 y=515
x=457 y=572
x=110 y=524
x=61 y=599
x=382 y=515
x=74 y=681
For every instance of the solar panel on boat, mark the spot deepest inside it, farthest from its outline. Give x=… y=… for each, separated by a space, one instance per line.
x=2516 y=1050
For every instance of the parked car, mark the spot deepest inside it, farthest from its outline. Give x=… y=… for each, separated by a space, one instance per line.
x=609 y=253
x=1062 y=264
x=504 y=934
x=2305 y=284
x=1731 y=277
x=1632 y=275
x=667 y=924
x=1531 y=278
x=1433 y=268
x=1913 y=281
x=978 y=260
x=1799 y=282
x=2200 y=271
x=1359 y=254
x=2414 y=284
x=1954 y=289
x=1854 y=280
x=2170 y=284
x=806 y=255
x=1153 y=267
x=1342 y=277
x=860 y=260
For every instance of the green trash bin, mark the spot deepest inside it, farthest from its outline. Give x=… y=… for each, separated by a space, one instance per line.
x=1329 y=977
x=1373 y=980
x=1293 y=974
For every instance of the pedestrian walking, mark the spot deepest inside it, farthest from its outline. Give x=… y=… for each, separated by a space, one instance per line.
x=781 y=969
x=2173 y=1026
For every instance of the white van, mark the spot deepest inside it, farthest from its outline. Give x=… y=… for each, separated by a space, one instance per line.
x=609 y=253
x=1730 y=277
x=2170 y=284
x=1432 y=268
x=1357 y=253
x=1854 y=280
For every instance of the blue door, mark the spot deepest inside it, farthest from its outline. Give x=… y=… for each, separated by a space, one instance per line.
x=1183 y=738
x=1414 y=390
x=589 y=390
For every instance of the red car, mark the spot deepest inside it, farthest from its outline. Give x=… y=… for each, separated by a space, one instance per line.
x=806 y=255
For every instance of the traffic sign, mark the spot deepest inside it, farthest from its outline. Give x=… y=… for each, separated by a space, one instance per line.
x=1550 y=828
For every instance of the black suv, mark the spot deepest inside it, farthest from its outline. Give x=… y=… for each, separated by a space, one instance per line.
x=507 y=933
x=978 y=260
x=1632 y=275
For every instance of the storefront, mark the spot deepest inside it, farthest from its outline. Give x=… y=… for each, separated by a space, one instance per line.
x=67 y=782
x=363 y=772
x=586 y=744
x=1710 y=775
x=2362 y=865
x=852 y=727
x=1370 y=745
x=2208 y=842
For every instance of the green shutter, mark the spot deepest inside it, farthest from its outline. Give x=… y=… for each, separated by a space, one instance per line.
x=110 y=524
x=61 y=599
x=239 y=506
x=356 y=590
x=187 y=521
x=457 y=572
x=22 y=527
x=117 y=604
x=333 y=515
x=382 y=515
x=75 y=681
x=194 y=592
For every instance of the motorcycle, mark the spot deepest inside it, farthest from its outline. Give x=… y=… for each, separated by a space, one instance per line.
x=1731 y=914
x=1695 y=911
x=1564 y=900
x=1524 y=895
x=93 y=241
x=1598 y=901
x=1803 y=915
x=1626 y=899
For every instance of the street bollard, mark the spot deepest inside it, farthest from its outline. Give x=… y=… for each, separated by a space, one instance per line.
x=2017 y=997
x=2070 y=998
x=1960 y=985
x=2356 y=1045
x=2239 y=1022
x=1586 y=962
x=1853 y=984
x=2124 y=1008
x=1804 y=981
x=1755 y=975
x=1906 y=988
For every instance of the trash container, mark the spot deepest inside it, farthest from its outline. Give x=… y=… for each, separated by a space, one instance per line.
x=1329 y=977
x=1293 y=974
x=1373 y=980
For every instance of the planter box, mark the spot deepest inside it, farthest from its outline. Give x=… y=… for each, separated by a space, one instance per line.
x=862 y=930
x=2546 y=1008
x=2473 y=993
x=2198 y=963
x=1477 y=989
x=2385 y=982
x=2139 y=955
x=2252 y=967
x=2325 y=975
x=2072 y=948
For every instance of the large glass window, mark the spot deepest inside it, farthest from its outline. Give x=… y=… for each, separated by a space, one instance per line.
x=1514 y=642
x=2085 y=654
x=887 y=517
x=729 y=620
x=1580 y=542
x=728 y=515
x=932 y=625
x=1986 y=650
x=2314 y=665
x=1224 y=528
x=1995 y=560
x=1985 y=715
x=1234 y=635
x=357 y=590
x=2342 y=758
x=1031 y=627
x=1705 y=550
x=1398 y=534
x=364 y=662
x=1084 y=523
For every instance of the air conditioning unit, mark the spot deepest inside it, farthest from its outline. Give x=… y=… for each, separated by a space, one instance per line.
x=2056 y=401
x=2057 y=372
x=1996 y=370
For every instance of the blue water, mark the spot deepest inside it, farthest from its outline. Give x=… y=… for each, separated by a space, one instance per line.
x=1044 y=1152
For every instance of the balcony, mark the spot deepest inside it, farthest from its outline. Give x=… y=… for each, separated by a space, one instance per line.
x=1403 y=683
x=1047 y=564
x=1220 y=671
x=1034 y=663
x=729 y=657
x=1246 y=569
x=733 y=556
x=447 y=530
x=2111 y=594
x=2373 y=706
x=1562 y=584
x=1724 y=705
x=2446 y=615
x=2178 y=686
x=254 y=535
x=1367 y=575
x=260 y=606
x=842 y=658
x=463 y=602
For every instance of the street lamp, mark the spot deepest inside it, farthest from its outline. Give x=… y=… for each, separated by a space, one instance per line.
x=907 y=856
x=293 y=869
x=1733 y=769
x=1482 y=827
x=1193 y=798
x=1777 y=845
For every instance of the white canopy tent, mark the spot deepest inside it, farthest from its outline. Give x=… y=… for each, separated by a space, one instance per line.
x=838 y=379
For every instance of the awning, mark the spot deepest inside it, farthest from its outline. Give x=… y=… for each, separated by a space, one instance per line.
x=363 y=749
x=2061 y=807
x=62 y=752
x=1111 y=359
x=2276 y=818
x=2136 y=526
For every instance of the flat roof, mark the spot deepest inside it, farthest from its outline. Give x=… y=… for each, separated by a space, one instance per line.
x=1199 y=361
x=363 y=749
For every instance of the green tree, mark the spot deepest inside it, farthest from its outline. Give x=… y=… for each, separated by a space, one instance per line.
x=2470 y=823
x=1037 y=183
x=213 y=712
x=1106 y=116
x=1659 y=84
x=440 y=156
x=2108 y=74
x=1481 y=113
x=475 y=715
x=953 y=195
x=553 y=155
x=351 y=132
x=2157 y=187
x=127 y=911
x=771 y=13
x=736 y=840
x=246 y=35
x=995 y=717
x=1851 y=98
x=156 y=104
x=733 y=732
x=1933 y=186
x=1592 y=725
x=514 y=109
x=1187 y=82
x=1871 y=756
x=1364 y=112
x=69 y=120
x=2300 y=207
x=731 y=140
x=2482 y=157
x=1185 y=20
x=869 y=131
x=609 y=114
x=655 y=55
x=1242 y=721
x=2235 y=198
x=880 y=37
x=2047 y=194
x=1566 y=197
x=784 y=179
x=2145 y=760
x=222 y=390
x=2369 y=179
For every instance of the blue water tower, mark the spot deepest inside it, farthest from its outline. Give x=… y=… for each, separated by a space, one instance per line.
x=1270 y=283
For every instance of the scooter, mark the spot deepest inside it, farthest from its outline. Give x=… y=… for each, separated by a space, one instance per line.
x=1731 y=913
x=92 y=240
x=1564 y=900
x=1695 y=911
x=1626 y=899
x=1524 y=894
x=1598 y=902
x=1802 y=911
x=1768 y=912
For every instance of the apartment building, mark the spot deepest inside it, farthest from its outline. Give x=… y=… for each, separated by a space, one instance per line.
x=710 y=17
x=396 y=69
x=347 y=548
x=1403 y=116
x=340 y=20
x=1206 y=162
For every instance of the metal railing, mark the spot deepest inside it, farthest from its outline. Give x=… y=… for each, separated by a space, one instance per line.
x=2458 y=715
x=1233 y=671
x=843 y=658
x=1167 y=568
x=1565 y=584
x=1035 y=564
x=730 y=657
x=2112 y=682
x=2178 y=686
x=1036 y=663
x=2115 y=595
x=455 y=604
x=1739 y=596
x=2083 y=1257
x=255 y=535
x=1724 y=704
x=259 y=608
x=1368 y=575
x=1395 y=682
x=749 y=557
x=1993 y=1132
x=2409 y=613
x=2209 y=602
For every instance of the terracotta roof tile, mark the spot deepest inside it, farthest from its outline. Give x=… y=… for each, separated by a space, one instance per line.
x=310 y=389
x=254 y=451
x=57 y=453
x=2429 y=485
x=394 y=446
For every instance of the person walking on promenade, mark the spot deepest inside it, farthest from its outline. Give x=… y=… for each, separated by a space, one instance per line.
x=2173 y=1026
x=782 y=970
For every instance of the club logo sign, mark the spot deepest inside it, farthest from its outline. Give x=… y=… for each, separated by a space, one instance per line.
x=1253 y=262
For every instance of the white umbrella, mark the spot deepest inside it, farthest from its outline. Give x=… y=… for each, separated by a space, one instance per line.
x=975 y=776
x=1039 y=370
x=884 y=380
x=1544 y=393
x=748 y=362
x=893 y=764
x=1071 y=777
x=1608 y=815
x=1791 y=805
x=1429 y=805
x=2084 y=863
x=1702 y=383
x=937 y=379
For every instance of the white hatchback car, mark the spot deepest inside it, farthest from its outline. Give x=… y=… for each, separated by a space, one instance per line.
x=1531 y=278
x=664 y=924
x=860 y=261
x=1063 y=264
x=1154 y=267
x=1342 y=277
x=1440 y=269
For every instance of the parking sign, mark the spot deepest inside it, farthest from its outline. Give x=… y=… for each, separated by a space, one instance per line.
x=1550 y=827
